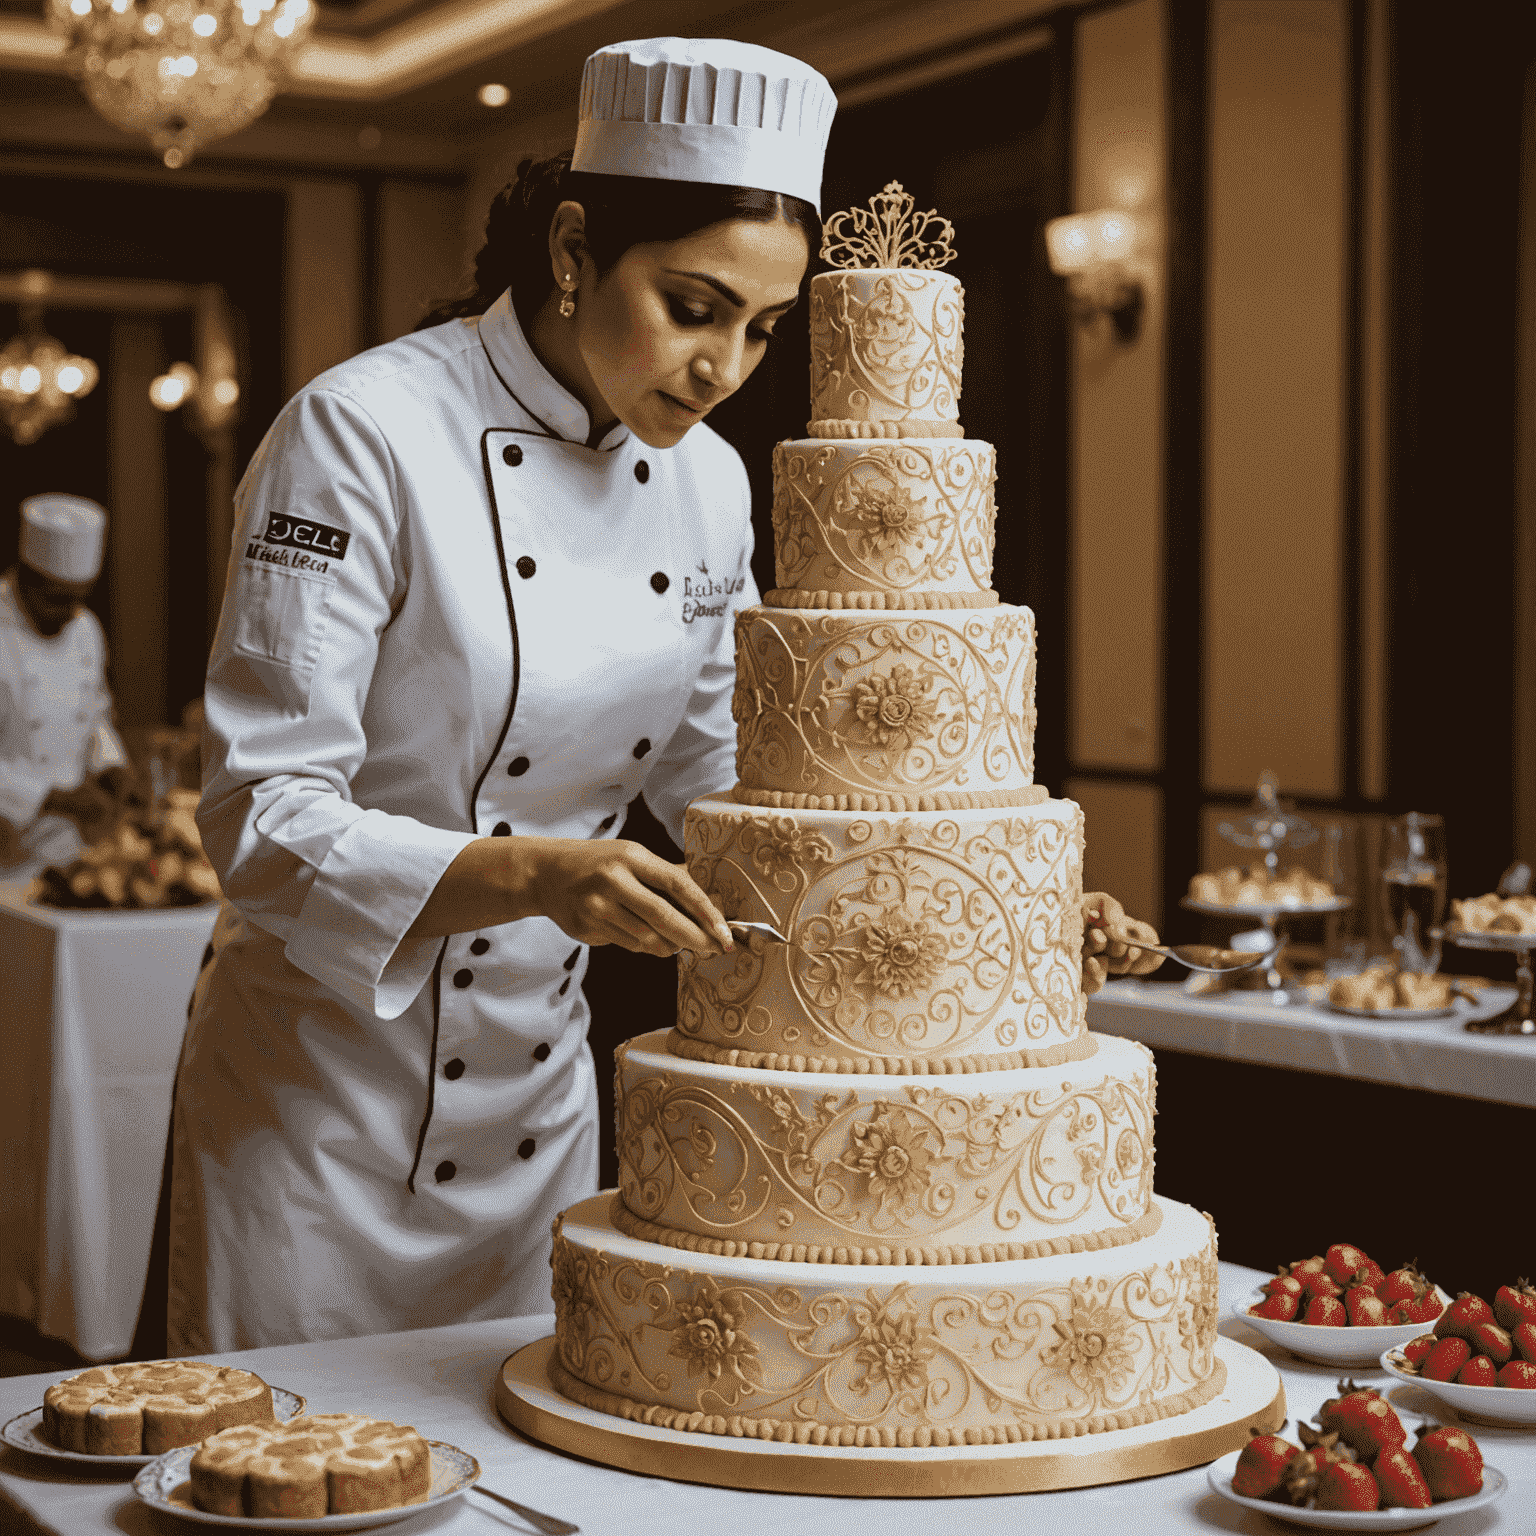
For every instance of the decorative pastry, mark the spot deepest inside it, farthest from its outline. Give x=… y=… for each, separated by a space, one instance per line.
x=144 y=1409
x=1495 y=914
x=1253 y=886
x=316 y=1464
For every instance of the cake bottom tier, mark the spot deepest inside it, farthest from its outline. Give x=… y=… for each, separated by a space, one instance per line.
x=894 y=1355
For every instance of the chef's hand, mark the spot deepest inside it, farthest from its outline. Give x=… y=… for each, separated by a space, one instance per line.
x=599 y=892
x=1105 y=952
x=621 y=893
x=11 y=849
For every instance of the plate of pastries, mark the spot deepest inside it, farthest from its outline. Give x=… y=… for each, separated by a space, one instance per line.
x=150 y=859
x=1252 y=891
x=1494 y=918
x=1381 y=991
x=218 y=1445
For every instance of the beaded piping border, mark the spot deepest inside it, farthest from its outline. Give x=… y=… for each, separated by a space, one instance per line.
x=940 y=800
x=801 y=1432
x=1078 y=1049
x=834 y=427
x=1145 y=1225
x=803 y=597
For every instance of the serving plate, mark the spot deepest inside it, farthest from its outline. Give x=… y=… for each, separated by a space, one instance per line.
x=1506 y=1407
x=1219 y=1475
x=165 y=1485
x=25 y=1432
x=1333 y=1346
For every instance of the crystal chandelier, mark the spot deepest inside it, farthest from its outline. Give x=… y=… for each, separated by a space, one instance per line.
x=182 y=71
x=40 y=379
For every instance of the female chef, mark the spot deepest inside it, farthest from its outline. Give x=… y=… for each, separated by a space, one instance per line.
x=481 y=595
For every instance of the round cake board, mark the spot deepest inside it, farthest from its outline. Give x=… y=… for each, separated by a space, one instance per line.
x=1252 y=1396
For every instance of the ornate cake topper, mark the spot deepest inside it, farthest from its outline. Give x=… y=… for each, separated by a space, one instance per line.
x=890 y=236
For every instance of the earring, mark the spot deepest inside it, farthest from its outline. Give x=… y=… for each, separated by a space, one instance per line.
x=567 y=303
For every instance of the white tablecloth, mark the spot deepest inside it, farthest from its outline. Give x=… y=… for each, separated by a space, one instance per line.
x=1434 y=1054
x=92 y=1012
x=441 y=1380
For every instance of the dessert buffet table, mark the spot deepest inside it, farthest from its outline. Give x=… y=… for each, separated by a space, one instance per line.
x=91 y=1018
x=1437 y=1055
x=441 y=1381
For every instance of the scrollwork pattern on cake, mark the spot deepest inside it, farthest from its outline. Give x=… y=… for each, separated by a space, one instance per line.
x=848 y=702
x=887 y=517
x=887 y=344
x=928 y=1165
x=917 y=937
x=882 y=1354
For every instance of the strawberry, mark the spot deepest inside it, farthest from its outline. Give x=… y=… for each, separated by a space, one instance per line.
x=1326 y=1312
x=1260 y=1469
x=1320 y=1284
x=1370 y=1273
x=1398 y=1315
x=1320 y=1450
x=1479 y=1371
x=1283 y=1284
x=1518 y=1373
x=1403 y=1284
x=1342 y=1260
x=1400 y=1480
x=1523 y=1337
x=1491 y=1340
x=1347 y=1485
x=1415 y=1350
x=1450 y=1461
x=1364 y=1420
x=1515 y=1304
x=1363 y=1307
x=1445 y=1359
x=1463 y=1313
x=1426 y=1309
x=1301 y=1268
x=1281 y=1306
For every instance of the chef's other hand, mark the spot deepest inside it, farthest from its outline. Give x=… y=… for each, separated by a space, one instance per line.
x=1105 y=950
x=621 y=893
x=11 y=849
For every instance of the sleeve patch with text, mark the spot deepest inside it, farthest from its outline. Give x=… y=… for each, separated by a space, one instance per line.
x=313 y=545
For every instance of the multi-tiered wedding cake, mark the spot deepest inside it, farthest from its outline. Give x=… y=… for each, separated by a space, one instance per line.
x=880 y=1187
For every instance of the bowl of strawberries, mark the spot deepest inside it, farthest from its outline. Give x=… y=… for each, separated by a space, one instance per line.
x=1480 y=1359
x=1341 y=1308
x=1356 y=1470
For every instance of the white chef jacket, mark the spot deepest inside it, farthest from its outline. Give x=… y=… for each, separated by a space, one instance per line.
x=55 y=725
x=446 y=617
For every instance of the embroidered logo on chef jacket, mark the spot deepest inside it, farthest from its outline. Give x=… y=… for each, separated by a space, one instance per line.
x=283 y=589
x=708 y=597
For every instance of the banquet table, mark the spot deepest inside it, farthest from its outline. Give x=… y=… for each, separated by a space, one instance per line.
x=1436 y=1055
x=441 y=1380
x=91 y=1017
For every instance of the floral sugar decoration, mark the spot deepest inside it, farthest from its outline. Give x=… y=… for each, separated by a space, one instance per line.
x=888 y=234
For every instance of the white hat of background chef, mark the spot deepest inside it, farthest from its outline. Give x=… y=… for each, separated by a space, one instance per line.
x=701 y=109
x=63 y=536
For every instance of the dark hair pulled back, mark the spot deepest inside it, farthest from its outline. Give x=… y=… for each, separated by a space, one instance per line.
x=621 y=211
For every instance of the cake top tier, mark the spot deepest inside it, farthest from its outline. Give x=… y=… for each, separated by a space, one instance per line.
x=886 y=330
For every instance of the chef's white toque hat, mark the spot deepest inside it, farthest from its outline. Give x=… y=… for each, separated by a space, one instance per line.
x=63 y=536
x=704 y=109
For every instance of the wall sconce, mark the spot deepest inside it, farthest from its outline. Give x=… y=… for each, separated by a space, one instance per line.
x=1091 y=250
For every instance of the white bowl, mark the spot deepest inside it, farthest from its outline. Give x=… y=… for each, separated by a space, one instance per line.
x=1504 y=1406
x=1334 y=1346
x=1219 y=1476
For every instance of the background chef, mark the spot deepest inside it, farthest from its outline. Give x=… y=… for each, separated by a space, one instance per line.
x=454 y=647
x=61 y=760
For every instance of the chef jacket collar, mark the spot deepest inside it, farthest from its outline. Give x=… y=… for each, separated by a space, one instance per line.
x=531 y=384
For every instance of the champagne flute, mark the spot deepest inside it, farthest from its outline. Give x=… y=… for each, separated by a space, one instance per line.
x=1413 y=888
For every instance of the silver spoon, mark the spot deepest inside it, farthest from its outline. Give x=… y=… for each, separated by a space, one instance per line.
x=1199 y=957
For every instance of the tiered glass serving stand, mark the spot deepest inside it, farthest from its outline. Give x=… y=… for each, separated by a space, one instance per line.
x=1516 y=1019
